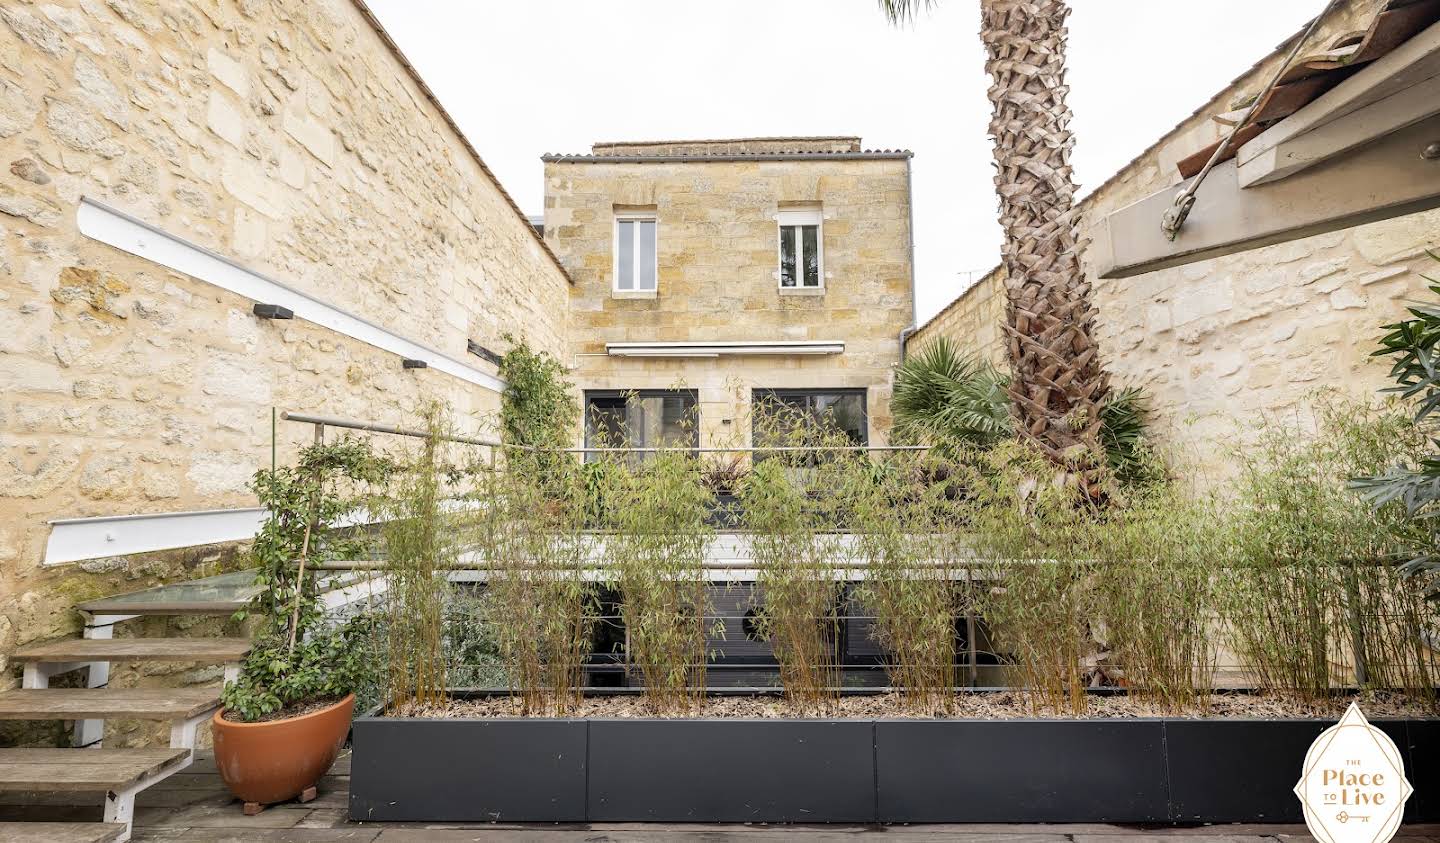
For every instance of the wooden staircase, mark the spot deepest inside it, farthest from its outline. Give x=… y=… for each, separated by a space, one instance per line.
x=89 y=767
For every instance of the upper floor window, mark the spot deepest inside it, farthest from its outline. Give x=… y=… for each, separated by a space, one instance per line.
x=802 y=258
x=635 y=262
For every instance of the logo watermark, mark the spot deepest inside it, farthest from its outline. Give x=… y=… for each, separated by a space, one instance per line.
x=1353 y=783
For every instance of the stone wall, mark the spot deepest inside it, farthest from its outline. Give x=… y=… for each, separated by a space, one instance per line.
x=286 y=136
x=718 y=276
x=973 y=320
x=1220 y=343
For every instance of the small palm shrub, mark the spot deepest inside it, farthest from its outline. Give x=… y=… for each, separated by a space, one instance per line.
x=944 y=396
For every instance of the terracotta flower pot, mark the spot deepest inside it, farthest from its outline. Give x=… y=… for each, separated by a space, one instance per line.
x=277 y=760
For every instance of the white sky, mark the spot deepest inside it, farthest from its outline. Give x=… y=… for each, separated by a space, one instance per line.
x=541 y=76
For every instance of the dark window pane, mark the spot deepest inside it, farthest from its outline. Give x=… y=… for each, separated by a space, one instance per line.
x=625 y=250
x=843 y=411
x=775 y=412
x=787 y=255
x=645 y=261
x=647 y=419
x=604 y=422
x=810 y=247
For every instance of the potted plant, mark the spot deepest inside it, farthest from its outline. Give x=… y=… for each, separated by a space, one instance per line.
x=287 y=714
x=723 y=478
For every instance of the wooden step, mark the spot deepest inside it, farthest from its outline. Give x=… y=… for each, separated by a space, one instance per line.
x=85 y=769
x=60 y=832
x=136 y=650
x=103 y=703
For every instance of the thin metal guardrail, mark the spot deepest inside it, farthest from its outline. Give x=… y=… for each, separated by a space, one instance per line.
x=380 y=427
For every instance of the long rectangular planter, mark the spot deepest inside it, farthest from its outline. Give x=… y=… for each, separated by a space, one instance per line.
x=957 y=771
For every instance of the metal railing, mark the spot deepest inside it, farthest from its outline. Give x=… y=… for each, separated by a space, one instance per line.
x=322 y=422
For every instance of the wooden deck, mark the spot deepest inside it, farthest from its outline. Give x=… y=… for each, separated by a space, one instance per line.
x=194 y=806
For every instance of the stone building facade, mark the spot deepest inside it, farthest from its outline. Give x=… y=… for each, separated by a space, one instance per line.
x=1220 y=343
x=288 y=138
x=694 y=277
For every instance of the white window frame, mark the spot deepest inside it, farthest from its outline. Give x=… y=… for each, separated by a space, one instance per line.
x=633 y=216
x=797 y=217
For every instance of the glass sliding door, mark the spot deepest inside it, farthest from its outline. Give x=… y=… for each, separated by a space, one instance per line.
x=775 y=410
x=646 y=418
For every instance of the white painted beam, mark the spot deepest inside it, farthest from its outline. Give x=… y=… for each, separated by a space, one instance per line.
x=1395 y=91
x=116 y=228
x=73 y=539
x=1385 y=179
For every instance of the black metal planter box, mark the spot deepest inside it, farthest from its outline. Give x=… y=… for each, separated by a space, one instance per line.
x=850 y=771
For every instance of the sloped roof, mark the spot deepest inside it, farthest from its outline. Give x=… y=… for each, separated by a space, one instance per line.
x=1312 y=75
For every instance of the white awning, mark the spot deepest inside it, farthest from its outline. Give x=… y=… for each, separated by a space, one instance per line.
x=724 y=348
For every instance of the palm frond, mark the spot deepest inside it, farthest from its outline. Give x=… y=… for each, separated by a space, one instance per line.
x=902 y=11
x=1122 y=431
x=944 y=395
x=1415 y=485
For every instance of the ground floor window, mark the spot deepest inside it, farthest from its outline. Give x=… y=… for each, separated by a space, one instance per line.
x=643 y=418
x=774 y=410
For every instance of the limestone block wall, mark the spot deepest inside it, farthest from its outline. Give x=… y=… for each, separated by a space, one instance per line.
x=286 y=136
x=1220 y=343
x=718 y=265
x=973 y=320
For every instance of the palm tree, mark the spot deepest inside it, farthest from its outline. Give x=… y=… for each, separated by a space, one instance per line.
x=944 y=396
x=1058 y=386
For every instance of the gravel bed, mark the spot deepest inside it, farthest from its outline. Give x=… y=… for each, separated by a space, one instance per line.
x=996 y=705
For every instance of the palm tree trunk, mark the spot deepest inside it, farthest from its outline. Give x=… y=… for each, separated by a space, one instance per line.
x=1058 y=384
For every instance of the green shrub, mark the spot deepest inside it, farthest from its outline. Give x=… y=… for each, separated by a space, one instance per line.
x=1311 y=599
x=290 y=663
x=795 y=555
x=538 y=406
x=1411 y=479
x=909 y=528
x=325 y=665
x=530 y=533
x=655 y=547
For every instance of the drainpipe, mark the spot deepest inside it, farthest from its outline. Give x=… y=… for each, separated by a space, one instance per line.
x=914 y=311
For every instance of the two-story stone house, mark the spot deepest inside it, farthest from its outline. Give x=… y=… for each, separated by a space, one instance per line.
x=712 y=275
